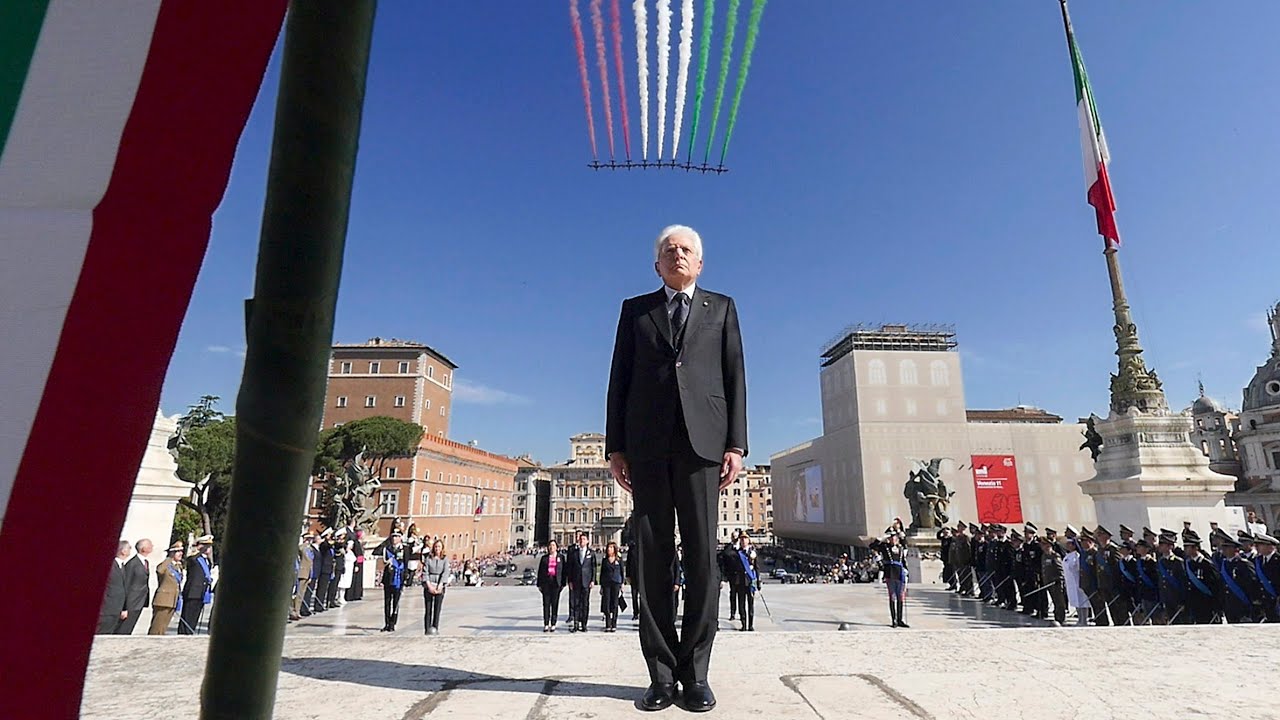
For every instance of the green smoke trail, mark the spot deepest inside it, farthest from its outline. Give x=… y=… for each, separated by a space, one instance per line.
x=704 y=52
x=753 y=29
x=726 y=55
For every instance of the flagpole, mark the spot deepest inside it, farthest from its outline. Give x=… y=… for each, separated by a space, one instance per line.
x=289 y=333
x=1133 y=385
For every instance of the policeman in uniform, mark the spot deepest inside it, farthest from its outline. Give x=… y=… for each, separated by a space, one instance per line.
x=1240 y=582
x=948 y=570
x=1128 y=566
x=1267 y=565
x=1033 y=603
x=1104 y=568
x=1051 y=576
x=1088 y=574
x=1017 y=571
x=961 y=559
x=977 y=559
x=1203 y=581
x=1173 y=580
x=1147 y=586
x=1002 y=587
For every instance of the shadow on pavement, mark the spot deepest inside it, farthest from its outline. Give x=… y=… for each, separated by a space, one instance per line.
x=430 y=678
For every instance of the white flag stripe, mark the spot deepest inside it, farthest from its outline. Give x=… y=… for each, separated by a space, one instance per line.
x=82 y=81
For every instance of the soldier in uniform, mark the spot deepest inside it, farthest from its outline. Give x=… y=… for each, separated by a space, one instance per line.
x=303 y=597
x=961 y=557
x=948 y=570
x=324 y=562
x=982 y=558
x=1173 y=580
x=1129 y=566
x=1149 y=586
x=1126 y=535
x=1001 y=567
x=1052 y=580
x=1088 y=576
x=893 y=558
x=1017 y=571
x=1204 y=583
x=1267 y=565
x=1108 y=599
x=168 y=598
x=977 y=549
x=1038 y=603
x=1240 y=582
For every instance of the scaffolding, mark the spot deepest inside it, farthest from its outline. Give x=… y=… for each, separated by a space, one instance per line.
x=919 y=337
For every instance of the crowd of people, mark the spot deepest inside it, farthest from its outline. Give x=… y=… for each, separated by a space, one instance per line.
x=1160 y=578
x=184 y=587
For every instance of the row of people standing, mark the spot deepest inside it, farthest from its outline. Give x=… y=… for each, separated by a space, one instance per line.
x=431 y=571
x=184 y=587
x=580 y=569
x=329 y=571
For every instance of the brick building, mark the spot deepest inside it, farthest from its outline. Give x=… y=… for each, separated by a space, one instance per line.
x=450 y=490
x=747 y=504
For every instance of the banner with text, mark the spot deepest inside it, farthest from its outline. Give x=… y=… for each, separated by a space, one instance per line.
x=995 y=487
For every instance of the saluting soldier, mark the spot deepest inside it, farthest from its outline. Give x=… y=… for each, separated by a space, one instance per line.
x=1267 y=565
x=168 y=597
x=961 y=559
x=306 y=577
x=1204 y=582
x=948 y=569
x=1240 y=582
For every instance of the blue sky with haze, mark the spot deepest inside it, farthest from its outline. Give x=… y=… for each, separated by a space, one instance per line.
x=903 y=162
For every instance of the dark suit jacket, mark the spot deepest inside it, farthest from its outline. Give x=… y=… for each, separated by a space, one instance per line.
x=116 y=596
x=545 y=581
x=579 y=573
x=137 y=585
x=196 y=581
x=651 y=379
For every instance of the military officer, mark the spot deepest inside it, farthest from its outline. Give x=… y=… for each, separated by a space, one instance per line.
x=1267 y=566
x=1033 y=603
x=1173 y=579
x=1240 y=582
x=1205 y=584
x=168 y=597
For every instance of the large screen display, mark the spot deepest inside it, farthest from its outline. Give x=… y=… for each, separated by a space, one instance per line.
x=995 y=487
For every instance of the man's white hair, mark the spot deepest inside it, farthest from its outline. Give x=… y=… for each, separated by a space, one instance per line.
x=684 y=231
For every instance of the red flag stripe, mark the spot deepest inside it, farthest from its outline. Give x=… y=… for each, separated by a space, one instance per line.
x=148 y=240
x=1104 y=205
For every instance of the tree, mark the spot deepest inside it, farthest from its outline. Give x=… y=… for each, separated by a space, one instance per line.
x=351 y=459
x=204 y=446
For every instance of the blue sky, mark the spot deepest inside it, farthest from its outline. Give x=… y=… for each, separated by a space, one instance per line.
x=904 y=162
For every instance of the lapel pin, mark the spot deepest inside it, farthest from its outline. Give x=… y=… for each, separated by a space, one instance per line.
x=705 y=303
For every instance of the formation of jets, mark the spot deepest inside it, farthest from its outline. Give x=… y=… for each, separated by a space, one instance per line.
x=644 y=164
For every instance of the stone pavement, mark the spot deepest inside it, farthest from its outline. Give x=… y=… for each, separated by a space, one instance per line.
x=1040 y=673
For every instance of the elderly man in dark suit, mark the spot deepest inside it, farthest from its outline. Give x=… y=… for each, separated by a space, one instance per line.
x=676 y=434
x=137 y=583
x=580 y=574
x=115 y=600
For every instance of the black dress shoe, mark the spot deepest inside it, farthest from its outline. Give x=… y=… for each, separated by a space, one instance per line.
x=659 y=696
x=698 y=697
x=902 y=624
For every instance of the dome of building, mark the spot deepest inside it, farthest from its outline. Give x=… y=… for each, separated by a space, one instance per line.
x=1205 y=405
x=1264 y=389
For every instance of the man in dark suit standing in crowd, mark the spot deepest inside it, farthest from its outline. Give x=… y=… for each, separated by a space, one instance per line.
x=198 y=591
x=115 y=610
x=137 y=584
x=676 y=434
x=580 y=568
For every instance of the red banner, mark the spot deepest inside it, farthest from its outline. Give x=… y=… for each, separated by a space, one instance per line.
x=995 y=487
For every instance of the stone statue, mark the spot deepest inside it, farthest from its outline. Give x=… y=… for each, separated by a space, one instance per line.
x=1092 y=440
x=351 y=495
x=927 y=495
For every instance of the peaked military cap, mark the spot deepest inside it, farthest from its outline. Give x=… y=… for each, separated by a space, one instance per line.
x=1125 y=529
x=1015 y=538
x=1244 y=536
x=1086 y=535
x=1167 y=531
x=176 y=547
x=1030 y=528
x=1168 y=539
x=1265 y=539
x=1101 y=531
x=973 y=528
x=1190 y=537
x=1130 y=545
x=1225 y=539
x=1143 y=543
x=1147 y=531
x=1071 y=531
x=1051 y=531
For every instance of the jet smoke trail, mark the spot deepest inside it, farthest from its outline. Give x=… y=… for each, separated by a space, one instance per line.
x=682 y=75
x=753 y=29
x=597 y=25
x=616 y=18
x=642 y=72
x=704 y=51
x=664 y=59
x=726 y=53
x=578 y=45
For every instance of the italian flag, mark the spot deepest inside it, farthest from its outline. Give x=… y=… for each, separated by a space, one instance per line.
x=1093 y=144
x=118 y=125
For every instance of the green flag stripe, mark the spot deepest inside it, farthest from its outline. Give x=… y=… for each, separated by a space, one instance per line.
x=704 y=52
x=20 y=24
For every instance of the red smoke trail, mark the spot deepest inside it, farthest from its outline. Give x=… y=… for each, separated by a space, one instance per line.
x=616 y=18
x=597 y=24
x=578 y=45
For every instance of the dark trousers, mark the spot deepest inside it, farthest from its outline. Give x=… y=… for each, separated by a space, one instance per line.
x=609 y=594
x=580 y=604
x=356 y=591
x=431 y=616
x=1059 y=594
x=897 y=593
x=734 y=596
x=681 y=486
x=126 y=625
x=550 y=605
x=746 y=607
x=964 y=577
x=108 y=624
x=391 y=605
x=190 y=620
x=322 y=591
x=635 y=600
x=332 y=599
x=1007 y=595
x=1200 y=609
x=1121 y=607
x=949 y=575
x=1099 y=602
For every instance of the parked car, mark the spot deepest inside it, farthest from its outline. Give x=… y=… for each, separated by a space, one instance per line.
x=529 y=577
x=500 y=571
x=780 y=574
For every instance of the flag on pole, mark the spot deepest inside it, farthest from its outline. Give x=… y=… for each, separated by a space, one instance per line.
x=1093 y=144
x=118 y=124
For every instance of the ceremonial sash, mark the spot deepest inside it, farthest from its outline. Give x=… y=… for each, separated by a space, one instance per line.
x=176 y=572
x=1168 y=576
x=208 y=580
x=1234 y=587
x=1143 y=575
x=1128 y=576
x=746 y=567
x=1262 y=577
x=1196 y=581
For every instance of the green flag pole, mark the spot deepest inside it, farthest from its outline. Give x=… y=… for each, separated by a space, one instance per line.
x=290 y=332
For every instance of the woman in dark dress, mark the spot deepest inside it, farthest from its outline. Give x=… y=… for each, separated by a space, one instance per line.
x=611 y=573
x=893 y=560
x=551 y=580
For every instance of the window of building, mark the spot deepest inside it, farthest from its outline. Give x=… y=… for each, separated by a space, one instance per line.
x=597 y=516
x=439 y=501
x=886 y=465
x=907 y=373
x=317 y=496
x=399 y=401
x=375 y=368
x=442 y=407
x=391 y=473
x=560 y=516
x=431 y=371
x=422 y=508
x=346 y=368
x=1055 y=467
x=426 y=474
x=939 y=373
x=426 y=405
x=389 y=502
x=342 y=401
x=882 y=407
x=573 y=516
x=370 y=401
x=942 y=406
x=404 y=368
x=875 y=373
x=573 y=491
x=911 y=407
x=1275 y=459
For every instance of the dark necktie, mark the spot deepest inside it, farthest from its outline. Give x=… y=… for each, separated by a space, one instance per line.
x=678 y=316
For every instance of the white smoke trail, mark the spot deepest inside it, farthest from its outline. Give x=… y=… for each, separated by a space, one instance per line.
x=682 y=75
x=642 y=72
x=664 y=57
